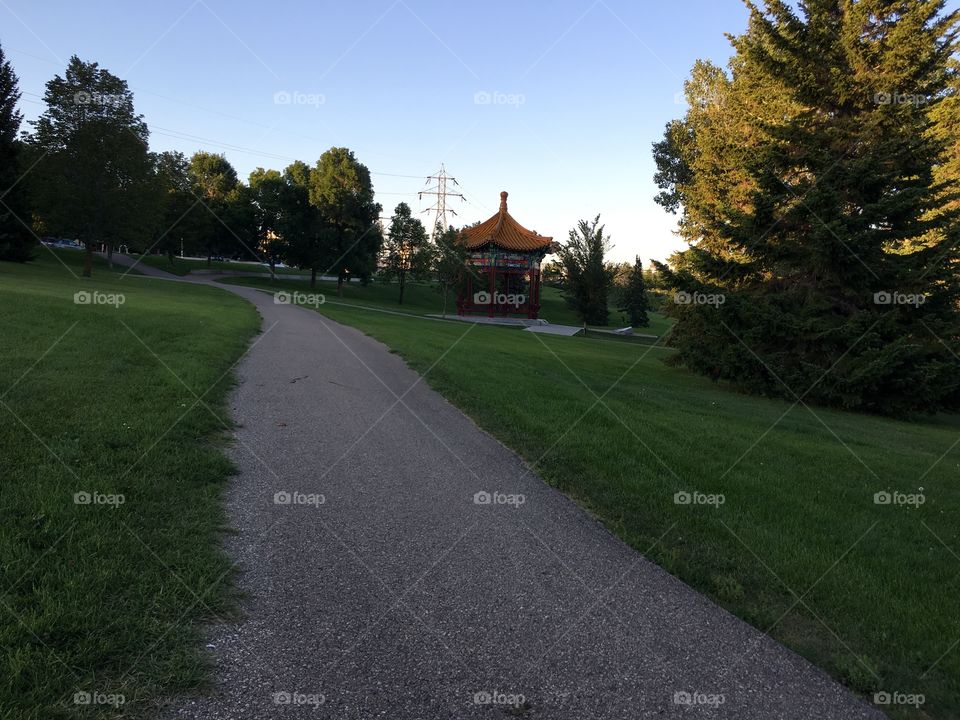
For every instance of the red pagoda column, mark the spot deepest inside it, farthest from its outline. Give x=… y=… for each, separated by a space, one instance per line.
x=493 y=289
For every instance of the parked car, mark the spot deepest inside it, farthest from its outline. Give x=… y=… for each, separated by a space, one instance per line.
x=61 y=243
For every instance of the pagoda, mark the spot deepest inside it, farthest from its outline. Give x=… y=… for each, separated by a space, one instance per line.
x=503 y=267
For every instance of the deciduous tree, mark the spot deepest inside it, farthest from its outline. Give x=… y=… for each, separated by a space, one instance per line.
x=341 y=190
x=94 y=178
x=449 y=262
x=407 y=251
x=214 y=184
x=266 y=193
x=180 y=222
x=306 y=238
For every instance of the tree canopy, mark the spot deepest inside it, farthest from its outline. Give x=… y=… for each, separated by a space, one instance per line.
x=588 y=277
x=16 y=238
x=93 y=178
x=407 y=249
x=633 y=297
x=342 y=192
x=449 y=261
x=823 y=250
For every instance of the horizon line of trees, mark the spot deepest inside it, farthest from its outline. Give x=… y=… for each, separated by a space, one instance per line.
x=86 y=172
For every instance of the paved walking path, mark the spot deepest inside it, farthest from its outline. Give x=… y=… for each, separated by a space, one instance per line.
x=381 y=585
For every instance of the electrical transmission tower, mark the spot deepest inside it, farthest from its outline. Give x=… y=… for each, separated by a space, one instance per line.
x=439 y=209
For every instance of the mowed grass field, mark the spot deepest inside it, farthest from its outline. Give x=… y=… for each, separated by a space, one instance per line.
x=426 y=299
x=798 y=547
x=101 y=598
x=112 y=425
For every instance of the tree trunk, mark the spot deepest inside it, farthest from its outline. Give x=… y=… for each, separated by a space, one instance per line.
x=88 y=261
x=313 y=278
x=340 y=285
x=273 y=270
x=110 y=255
x=444 y=299
x=209 y=260
x=402 y=285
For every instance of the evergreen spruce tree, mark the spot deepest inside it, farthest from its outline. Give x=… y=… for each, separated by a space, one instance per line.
x=945 y=129
x=823 y=249
x=588 y=277
x=633 y=300
x=16 y=240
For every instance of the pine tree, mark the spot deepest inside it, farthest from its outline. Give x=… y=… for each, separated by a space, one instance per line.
x=633 y=299
x=587 y=275
x=16 y=240
x=822 y=249
x=945 y=129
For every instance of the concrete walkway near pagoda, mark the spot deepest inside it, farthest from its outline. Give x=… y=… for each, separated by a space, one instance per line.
x=400 y=563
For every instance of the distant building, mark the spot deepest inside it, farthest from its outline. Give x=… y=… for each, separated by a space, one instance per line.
x=503 y=264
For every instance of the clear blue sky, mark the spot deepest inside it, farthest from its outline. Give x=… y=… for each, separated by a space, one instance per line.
x=578 y=90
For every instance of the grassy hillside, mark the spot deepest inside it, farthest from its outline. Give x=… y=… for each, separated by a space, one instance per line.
x=112 y=473
x=104 y=596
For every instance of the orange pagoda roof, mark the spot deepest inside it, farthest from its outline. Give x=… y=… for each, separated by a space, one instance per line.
x=502 y=230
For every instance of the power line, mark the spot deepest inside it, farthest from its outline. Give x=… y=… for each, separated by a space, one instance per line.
x=238 y=148
x=181 y=135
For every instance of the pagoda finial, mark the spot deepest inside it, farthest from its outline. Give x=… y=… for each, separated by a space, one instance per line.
x=503 y=200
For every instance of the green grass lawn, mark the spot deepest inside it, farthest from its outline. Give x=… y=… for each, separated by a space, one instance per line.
x=99 y=401
x=183 y=266
x=105 y=598
x=798 y=548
